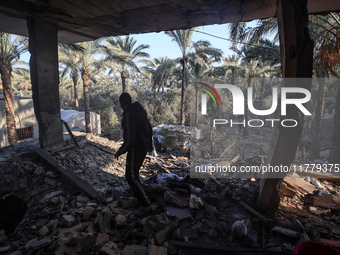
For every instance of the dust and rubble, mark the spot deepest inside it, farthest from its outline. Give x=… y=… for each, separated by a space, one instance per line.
x=189 y=216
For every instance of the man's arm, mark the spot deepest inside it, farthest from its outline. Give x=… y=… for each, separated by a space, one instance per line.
x=129 y=133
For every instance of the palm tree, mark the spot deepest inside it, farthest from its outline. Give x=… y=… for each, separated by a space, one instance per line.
x=10 y=50
x=70 y=58
x=123 y=52
x=199 y=69
x=88 y=67
x=23 y=78
x=252 y=69
x=200 y=49
x=164 y=68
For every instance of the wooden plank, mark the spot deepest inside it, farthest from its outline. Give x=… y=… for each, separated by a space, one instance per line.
x=300 y=184
x=83 y=186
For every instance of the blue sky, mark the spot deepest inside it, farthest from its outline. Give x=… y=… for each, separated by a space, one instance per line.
x=161 y=45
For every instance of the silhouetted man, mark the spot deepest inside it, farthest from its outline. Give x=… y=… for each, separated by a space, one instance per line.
x=137 y=134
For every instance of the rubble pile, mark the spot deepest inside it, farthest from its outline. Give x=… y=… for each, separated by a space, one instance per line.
x=187 y=213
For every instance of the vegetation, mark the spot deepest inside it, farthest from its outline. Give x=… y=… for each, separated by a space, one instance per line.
x=10 y=50
x=108 y=66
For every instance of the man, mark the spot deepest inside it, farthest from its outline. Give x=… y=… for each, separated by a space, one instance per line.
x=137 y=134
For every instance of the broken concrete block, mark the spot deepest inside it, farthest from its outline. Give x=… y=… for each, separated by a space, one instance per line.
x=39 y=171
x=5 y=249
x=43 y=231
x=42 y=243
x=190 y=233
x=135 y=250
x=104 y=220
x=119 y=221
x=50 y=195
x=170 y=198
x=158 y=222
x=87 y=213
x=212 y=233
x=71 y=240
x=88 y=240
x=67 y=220
x=195 y=202
x=82 y=199
x=157 y=250
x=102 y=239
x=129 y=203
x=110 y=249
x=162 y=235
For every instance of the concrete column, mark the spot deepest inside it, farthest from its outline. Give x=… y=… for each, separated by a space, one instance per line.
x=297 y=62
x=43 y=46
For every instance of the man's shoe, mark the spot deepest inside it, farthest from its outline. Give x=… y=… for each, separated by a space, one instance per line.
x=142 y=212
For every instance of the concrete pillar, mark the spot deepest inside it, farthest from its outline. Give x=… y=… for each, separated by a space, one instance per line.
x=297 y=62
x=43 y=46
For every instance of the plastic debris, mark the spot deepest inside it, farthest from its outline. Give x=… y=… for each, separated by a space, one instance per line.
x=195 y=202
x=317 y=184
x=239 y=228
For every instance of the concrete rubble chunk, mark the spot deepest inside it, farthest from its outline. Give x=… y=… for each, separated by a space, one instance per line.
x=88 y=240
x=42 y=243
x=82 y=199
x=157 y=250
x=43 y=231
x=39 y=171
x=110 y=248
x=71 y=240
x=87 y=213
x=104 y=220
x=135 y=250
x=102 y=239
x=162 y=235
x=67 y=220
x=51 y=195
x=4 y=249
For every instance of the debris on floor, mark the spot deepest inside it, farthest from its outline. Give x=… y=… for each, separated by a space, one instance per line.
x=189 y=216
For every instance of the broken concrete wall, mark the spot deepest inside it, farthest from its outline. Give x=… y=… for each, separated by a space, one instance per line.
x=24 y=117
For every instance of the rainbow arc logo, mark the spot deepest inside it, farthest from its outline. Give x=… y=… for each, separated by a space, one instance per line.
x=209 y=93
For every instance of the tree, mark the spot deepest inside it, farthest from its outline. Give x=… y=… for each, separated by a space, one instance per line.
x=164 y=68
x=123 y=52
x=70 y=59
x=87 y=67
x=11 y=48
x=23 y=79
x=199 y=69
x=201 y=49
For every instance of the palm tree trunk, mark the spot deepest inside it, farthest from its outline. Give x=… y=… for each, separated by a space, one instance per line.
x=320 y=104
x=334 y=157
x=85 y=78
x=246 y=109
x=263 y=83
x=196 y=104
x=183 y=94
x=75 y=85
x=5 y=72
x=123 y=75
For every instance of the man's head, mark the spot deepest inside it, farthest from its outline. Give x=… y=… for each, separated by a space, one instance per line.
x=125 y=100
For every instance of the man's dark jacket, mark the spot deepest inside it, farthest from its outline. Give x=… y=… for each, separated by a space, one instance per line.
x=137 y=130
